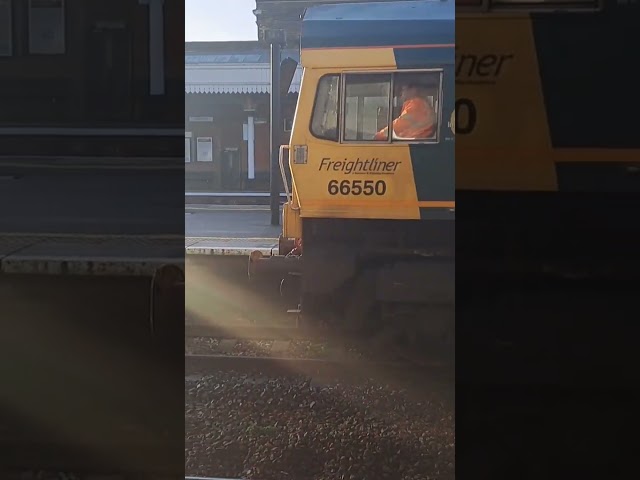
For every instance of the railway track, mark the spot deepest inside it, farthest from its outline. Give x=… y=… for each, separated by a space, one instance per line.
x=299 y=347
x=210 y=478
x=273 y=402
x=255 y=332
x=315 y=368
x=281 y=351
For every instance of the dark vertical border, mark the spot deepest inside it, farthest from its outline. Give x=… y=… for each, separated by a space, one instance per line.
x=91 y=243
x=546 y=281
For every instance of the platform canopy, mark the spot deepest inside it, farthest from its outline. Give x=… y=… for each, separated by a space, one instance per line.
x=239 y=79
x=231 y=67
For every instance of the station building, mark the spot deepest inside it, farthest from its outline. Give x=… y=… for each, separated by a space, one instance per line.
x=227 y=102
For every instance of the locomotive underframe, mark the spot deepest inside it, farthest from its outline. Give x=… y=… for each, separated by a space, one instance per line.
x=358 y=274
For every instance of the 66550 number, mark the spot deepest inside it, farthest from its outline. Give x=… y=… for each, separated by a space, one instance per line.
x=357 y=187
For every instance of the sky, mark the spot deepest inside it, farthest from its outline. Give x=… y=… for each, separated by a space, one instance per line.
x=219 y=20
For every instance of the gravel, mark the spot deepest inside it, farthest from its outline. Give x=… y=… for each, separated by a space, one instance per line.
x=249 y=426
x=309 y=349
x=297 y=349
x=201 y=345
x=256 y=348
x=209 y=346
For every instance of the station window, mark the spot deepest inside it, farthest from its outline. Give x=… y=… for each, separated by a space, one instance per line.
x=47 y=27
x=6 y=29
x=324 y=123
x=412 y=109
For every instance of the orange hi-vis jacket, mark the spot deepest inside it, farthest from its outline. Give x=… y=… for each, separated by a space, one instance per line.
x=416 y=120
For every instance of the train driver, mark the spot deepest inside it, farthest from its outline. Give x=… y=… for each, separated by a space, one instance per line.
x=417 y=118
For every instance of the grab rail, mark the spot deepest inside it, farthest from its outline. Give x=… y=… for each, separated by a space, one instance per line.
x=282 y=172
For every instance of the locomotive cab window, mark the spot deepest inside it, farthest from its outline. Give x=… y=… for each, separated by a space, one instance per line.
x=366 y=102
x=324 y=122
x=409 y=102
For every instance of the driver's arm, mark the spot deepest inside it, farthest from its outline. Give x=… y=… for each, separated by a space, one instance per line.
x=382 y=134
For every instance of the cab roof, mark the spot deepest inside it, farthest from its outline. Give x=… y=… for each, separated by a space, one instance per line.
x=380 y=24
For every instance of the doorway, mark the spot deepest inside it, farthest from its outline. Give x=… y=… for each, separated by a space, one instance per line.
x=109 y=71
x=230 y=171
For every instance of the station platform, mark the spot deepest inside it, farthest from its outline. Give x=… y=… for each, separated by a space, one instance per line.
x=229 y=230
x=221 y=246
x=230 y=198
x=93 y=255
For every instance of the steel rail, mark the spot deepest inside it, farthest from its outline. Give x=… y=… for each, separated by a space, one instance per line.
x=254 y=332
x=330 y=368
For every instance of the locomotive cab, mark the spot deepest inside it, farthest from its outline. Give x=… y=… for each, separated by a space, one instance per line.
x=368 y=226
